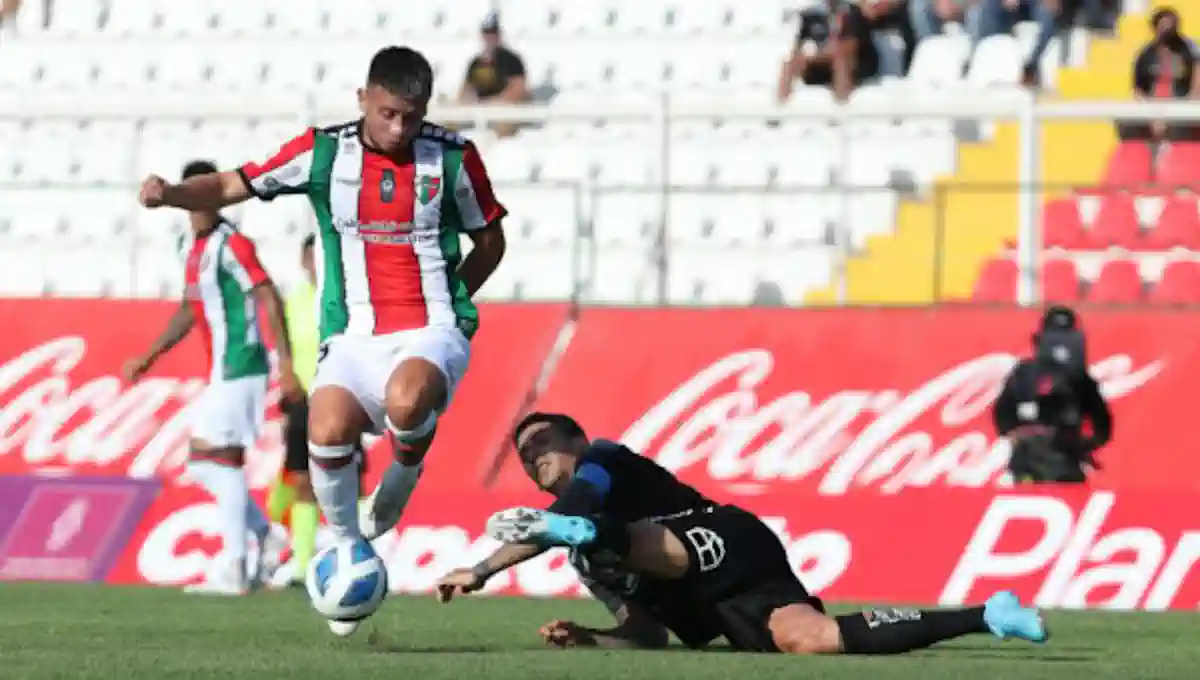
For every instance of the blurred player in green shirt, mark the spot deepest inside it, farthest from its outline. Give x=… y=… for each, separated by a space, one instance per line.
x=293 y=490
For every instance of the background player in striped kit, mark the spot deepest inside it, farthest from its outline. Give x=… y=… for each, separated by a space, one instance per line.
x=224 y=287
x=392 y=194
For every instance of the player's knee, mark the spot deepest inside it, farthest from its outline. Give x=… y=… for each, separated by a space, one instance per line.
x=334 y=417
x=802 y=632
x=415 y=390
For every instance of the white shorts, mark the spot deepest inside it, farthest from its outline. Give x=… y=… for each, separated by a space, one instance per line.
x=363 y=364
x=230 y=412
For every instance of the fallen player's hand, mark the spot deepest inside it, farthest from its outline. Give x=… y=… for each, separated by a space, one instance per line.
x=457 y=582
x=566 y=634
x=153 y=193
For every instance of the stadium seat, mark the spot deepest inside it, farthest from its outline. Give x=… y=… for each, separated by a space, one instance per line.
x=22 y=268
x=73 y=19
x=1116 y=223
x=1060 y=281
x=1061 y=224
x=1129 y=167
x=997 y=282
x=939 y=60
x=1178 y=225
x=996 y=62
x=622 y=276
x=792 y=218
x=627 y=219
x=542 y=273
x=1180 y=284
x=1179 y=167
x=689 y=280
x=1119 y=281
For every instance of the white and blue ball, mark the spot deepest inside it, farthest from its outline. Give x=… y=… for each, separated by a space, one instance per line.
x=347 y=581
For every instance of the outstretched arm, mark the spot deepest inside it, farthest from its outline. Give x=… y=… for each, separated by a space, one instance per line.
x=202 y=192
x=463 y=581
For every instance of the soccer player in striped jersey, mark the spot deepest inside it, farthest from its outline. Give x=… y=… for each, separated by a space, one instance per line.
x=224 y=287
x=392 y=195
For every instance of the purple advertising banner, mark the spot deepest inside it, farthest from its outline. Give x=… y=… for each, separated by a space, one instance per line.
x=67 y=528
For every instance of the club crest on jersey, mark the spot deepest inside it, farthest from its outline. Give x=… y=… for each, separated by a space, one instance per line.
x=387 y=186
x=428 y=189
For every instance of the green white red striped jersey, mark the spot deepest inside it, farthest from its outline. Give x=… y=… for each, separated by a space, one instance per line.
x=222 y=268
x=387 y=247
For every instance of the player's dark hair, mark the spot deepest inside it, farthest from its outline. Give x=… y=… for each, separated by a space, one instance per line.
x=196 y=168
x=402 y=71
x=308 y=242
x=559 y=421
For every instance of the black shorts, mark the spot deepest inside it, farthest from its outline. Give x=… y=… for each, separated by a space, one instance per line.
x=295 y=438
x=740 y=572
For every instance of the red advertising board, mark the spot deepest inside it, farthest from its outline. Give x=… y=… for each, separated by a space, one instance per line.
x=771 y=401
x=864 y=436
x=1122 y=550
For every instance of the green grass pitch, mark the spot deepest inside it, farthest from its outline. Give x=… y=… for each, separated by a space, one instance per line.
x=77 y=632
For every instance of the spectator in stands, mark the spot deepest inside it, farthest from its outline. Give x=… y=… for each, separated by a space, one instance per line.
x=892 y=15
x=929 y=17
x=496 y=75
x=833 y=48
x=1055 y=17
x=1166 y=68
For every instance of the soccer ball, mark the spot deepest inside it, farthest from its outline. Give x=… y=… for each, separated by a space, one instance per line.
x=347 y=581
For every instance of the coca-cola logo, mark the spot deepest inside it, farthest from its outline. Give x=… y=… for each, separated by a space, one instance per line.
x=53 y=420
x=885 y=439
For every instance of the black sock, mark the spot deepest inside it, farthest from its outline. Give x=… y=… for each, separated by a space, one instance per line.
x=894 y=631
x=611 y=544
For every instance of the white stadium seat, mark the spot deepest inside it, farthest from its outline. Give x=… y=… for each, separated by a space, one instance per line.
x=997 y=61
x=939 y=60
x=622 y=276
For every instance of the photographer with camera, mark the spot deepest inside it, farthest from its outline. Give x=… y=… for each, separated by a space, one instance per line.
x=1044 y=403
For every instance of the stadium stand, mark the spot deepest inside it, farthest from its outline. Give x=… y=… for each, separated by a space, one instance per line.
x=753 y=202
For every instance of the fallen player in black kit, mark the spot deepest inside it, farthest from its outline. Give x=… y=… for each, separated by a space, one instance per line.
x=663 y=558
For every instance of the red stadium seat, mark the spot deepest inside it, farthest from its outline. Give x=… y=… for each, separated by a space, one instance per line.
x=1180 y=284
x=1178 y=225
x=1179 y=166
x=1061 y=224
x=1060 y=282
x=1116 y=223
x=1129 y=167
x=1119 y=281
x=997 y=282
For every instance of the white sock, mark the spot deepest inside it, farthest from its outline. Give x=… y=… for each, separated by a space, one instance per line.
x=228 y=486
x=336 y=489
x=399 y=481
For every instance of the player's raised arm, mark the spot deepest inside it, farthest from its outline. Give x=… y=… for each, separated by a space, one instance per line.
x=209 y=192
x=286 y=172
x=481 y=215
